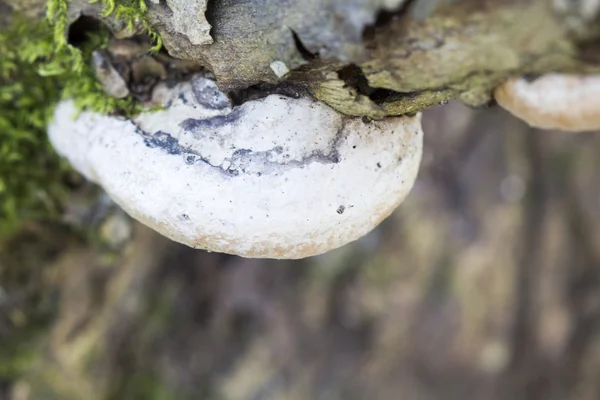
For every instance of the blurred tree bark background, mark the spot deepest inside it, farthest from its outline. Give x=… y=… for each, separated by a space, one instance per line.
x=484 y=284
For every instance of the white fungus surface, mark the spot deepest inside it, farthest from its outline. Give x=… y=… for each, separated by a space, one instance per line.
x=276 y=177
x=554 y=101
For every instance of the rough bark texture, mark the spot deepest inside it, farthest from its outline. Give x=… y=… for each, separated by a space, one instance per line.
x=374 y=57
x=413 y=55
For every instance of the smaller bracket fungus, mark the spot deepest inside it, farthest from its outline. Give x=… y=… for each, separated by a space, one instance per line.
x=554 y=101
x=277 y=177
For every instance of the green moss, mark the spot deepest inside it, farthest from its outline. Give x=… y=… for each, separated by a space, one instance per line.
x=38 y=67
x=28 y=167
x=85 y=89
x=133 y=13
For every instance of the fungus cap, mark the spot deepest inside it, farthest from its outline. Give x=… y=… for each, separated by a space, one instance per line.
x=554 y=101
x=277 y=177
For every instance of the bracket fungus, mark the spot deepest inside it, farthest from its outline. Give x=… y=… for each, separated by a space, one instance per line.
x=276 y=177
x=554 y=101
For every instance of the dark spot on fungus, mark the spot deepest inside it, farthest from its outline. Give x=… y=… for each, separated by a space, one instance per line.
x=164 y=141
x=243 y=161
x=182 y=98
x=192 y=124
x=191 y=158
x=340 y=210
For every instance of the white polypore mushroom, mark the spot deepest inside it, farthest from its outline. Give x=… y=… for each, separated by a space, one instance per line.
x=554 y=101
x=277 y=177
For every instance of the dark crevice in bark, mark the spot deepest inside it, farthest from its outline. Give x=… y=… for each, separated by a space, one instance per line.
x=80 y=30
x=354 y=77
x=210 y=15
x=306 y=54
x=262 y=90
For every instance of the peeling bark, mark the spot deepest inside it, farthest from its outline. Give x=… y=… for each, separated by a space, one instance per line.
x=416 y=55
x=377 y=58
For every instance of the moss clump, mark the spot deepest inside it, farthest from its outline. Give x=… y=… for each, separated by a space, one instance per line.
x=66 y=59
x=133 y=13
x=29 y=170
x=38 y=67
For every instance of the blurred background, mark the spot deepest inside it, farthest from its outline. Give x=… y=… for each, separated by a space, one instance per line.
x=484 y=284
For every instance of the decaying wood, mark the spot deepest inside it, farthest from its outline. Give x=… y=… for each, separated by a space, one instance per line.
x=398 y=59
x=376 y=57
